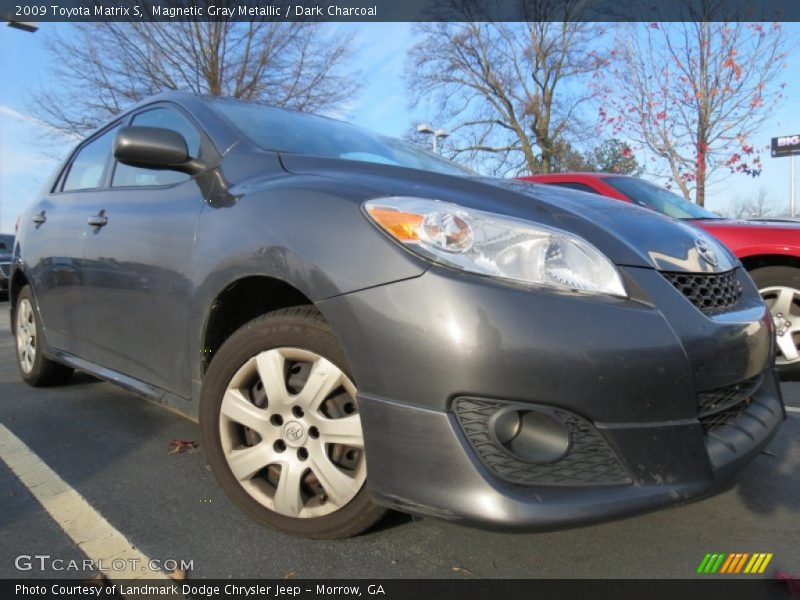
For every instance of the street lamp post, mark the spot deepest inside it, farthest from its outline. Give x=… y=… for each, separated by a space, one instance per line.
x=793 y=191
x=435 y=133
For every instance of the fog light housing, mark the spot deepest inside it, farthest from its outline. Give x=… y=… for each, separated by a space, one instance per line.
x=530 y=435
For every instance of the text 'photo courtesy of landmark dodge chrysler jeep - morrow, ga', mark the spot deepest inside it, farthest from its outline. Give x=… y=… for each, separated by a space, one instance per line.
x=359 y=324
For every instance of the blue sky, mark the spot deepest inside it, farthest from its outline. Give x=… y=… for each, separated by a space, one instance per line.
x=382 y=105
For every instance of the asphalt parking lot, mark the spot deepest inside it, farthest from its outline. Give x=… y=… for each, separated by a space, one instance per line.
x=112 y=447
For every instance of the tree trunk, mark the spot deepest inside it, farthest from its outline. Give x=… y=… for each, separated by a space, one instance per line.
x=700 y=192
x=545 y=165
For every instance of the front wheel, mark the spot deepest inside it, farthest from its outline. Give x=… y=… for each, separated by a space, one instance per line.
x=780 y=288
x=282 y=430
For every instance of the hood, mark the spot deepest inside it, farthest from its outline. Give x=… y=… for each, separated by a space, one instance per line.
x=628 y=235
x=747 y=238
x=754 y=225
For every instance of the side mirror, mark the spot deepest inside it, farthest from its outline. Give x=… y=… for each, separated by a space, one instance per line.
x=155 y=148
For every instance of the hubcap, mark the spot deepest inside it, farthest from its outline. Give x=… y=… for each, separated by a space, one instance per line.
x=784 y=305
x=26 y=335
x=291 y=433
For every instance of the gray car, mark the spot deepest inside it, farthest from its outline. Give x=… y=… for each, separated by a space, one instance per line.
x=359 y=324
x=6 y=245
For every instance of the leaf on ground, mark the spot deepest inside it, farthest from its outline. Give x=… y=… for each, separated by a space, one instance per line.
x=768 y=453
x=178 y=575
x=792 y=581
x=290 y=575
x=180 y=446
x=462 y=570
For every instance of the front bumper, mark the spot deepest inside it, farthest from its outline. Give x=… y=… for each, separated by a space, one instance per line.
x=419 y=461
x=626 y=375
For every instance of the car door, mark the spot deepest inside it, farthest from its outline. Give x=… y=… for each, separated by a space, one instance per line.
x=137 y=257
x=54 y=242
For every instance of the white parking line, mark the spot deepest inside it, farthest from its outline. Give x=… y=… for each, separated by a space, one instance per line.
x=95 y=536
x=793 y=409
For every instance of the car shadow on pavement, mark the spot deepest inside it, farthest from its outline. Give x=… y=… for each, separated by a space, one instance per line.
x=82 y=378
x=390 y=521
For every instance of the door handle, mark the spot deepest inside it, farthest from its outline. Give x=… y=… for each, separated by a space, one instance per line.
x=99 y=220
x=39 y=219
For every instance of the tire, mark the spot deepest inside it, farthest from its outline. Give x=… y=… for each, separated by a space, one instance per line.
x=36 y=369
x=780 y=288
x=291 y=466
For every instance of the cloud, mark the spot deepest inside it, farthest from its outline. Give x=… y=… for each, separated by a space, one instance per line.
x=13 y=162
x=25 y=162
x=381 y=104
x=31 y=120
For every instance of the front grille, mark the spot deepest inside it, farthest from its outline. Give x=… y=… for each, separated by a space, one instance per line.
x=5 y=269
x=590 y=461
x=711 y=293
x=724 y=417
x=713 y=401
x=723 y=406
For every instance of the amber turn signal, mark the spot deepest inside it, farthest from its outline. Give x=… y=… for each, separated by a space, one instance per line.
x=403 y=226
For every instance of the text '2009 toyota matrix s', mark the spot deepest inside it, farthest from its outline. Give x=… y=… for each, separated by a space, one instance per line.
x=359 y=324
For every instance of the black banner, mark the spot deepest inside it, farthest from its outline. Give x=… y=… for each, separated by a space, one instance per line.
x=416 y=589
x=23 y=11
x=787 y=145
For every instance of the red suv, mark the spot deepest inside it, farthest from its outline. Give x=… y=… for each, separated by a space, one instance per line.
x=769 y=250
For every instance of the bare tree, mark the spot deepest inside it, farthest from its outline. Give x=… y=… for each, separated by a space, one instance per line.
x=761 y=205
x=101 y=68
x=694 y=93
x=754 y=208
x=738 y=208
x=510 y=93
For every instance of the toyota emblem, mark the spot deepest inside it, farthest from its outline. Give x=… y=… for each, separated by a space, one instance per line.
x=705 y=251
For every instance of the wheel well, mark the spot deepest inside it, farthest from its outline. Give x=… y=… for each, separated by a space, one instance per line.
x=243 y=301
x=18 y=281
x=770 y=260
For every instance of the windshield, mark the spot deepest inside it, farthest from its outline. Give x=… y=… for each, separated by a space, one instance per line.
x=6 y=243
x=656 y=198
x=284 y=130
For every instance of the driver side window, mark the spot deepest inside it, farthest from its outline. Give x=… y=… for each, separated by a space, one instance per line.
x=165 y=118
x=88 y=167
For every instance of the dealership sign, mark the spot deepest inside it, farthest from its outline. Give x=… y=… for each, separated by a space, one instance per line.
x=787 y=145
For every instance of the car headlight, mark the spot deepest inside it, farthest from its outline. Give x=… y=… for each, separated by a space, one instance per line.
x=496 y=245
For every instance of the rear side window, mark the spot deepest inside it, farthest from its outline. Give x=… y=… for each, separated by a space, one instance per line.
x=165 y=118
x=573 y=185
x=88 y=166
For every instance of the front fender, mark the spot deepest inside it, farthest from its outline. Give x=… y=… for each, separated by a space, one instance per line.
x=267 y=232
x=768 y=249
